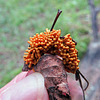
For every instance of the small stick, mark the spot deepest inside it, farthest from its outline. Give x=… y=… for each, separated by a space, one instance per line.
x=74 y=41
x=84 y=79
x=81 y=87
x=78 y=74
x=59 y=12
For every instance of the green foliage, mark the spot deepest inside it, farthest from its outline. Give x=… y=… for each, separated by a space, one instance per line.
x=97 y=3
x=8 y=76
x=21 y=19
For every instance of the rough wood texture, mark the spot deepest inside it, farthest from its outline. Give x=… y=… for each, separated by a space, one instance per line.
x=94 y=11
x=52 y=68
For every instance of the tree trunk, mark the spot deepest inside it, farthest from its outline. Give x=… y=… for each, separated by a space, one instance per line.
x=94 y=12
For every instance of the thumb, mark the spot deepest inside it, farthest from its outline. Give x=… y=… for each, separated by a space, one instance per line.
x=30 y=88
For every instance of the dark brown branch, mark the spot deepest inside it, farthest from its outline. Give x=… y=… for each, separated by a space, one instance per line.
x=84 y=79
x=58 y=13
x=81 y=87
x=77 y=76
x=52 y=68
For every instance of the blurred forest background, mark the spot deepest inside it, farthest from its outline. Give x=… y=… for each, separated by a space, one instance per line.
x=21 y=19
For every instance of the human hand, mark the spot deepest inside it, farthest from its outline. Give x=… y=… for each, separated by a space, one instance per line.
x=75 y=90
x=30 y=86
x=25 y=87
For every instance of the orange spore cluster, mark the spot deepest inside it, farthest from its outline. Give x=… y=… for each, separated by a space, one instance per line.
x=50 y=42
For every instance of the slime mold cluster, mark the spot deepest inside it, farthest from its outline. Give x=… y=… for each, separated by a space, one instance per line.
x=51 y=42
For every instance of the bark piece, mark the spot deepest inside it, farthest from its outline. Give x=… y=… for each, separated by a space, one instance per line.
x=52 y=68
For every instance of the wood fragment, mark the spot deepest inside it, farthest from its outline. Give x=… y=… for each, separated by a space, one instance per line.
x=52 y=68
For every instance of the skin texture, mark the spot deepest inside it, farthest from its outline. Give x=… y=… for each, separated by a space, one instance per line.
x=30 y=86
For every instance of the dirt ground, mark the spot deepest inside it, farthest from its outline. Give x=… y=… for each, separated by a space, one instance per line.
x=90 y=67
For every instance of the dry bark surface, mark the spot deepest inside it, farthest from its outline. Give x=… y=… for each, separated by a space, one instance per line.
x=52 y=68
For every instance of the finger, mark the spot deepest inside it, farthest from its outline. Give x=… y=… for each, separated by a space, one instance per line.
x=13 y=81
x=75 y=90
x=30 y=88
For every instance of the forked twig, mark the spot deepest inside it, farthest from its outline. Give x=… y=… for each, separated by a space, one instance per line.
x=77 y=75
